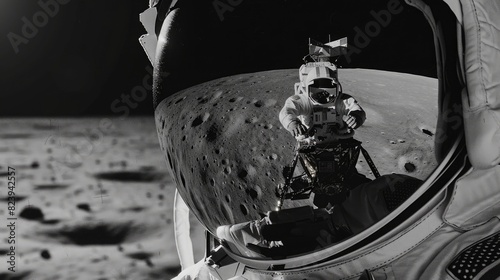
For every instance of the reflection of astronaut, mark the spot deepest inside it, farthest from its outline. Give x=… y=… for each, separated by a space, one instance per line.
x=319 y=107
x=325 y=109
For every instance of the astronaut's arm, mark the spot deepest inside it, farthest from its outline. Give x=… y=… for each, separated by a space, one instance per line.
x=354 y=109
x=289 y=113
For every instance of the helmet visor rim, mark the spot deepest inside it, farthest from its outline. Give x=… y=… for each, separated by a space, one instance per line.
x=323 y=95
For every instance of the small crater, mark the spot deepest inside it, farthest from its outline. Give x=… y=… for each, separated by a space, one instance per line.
x=212 y=182
x=84 y=207
x=252 y=193
x=244 y=209
x=50 y=187
x=410 y=167
x=15 y=136
x=200 y=119
x=32 y=213
x=132 y=176
x=51 y=222
x=97 y=234
x=427 y=132
x=258 y=103
x=133 y=209
x=212 y=133
x=140 y=256
x=197 y=121
x=242 y=174
x=228 y=198
x=179 y=100
x=45 y=254
x=18 y=198
x=235 y=99
x=251 y=120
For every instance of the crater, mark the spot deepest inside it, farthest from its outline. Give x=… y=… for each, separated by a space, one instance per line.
x=200 y=119
x=180 y=99
x=18 y=198
x=98 y=232
x=252 y=193
x=140 y=256
x=242 y=174
x=410 y=167
x=212 y=133
x=15 y=136
x=259 y=103
x=133 y=209
x=51 y=187
x=251 y=120
x=427 y=132
x=244 y=209
x=131 y=176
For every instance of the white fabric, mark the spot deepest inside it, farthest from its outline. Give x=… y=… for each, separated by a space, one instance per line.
x=482 y=63
x=299 y=107
x=437 y=267
x=198 y=271
x=476 y=199
x=182 y=232
x=149 y=41
x=456 y=7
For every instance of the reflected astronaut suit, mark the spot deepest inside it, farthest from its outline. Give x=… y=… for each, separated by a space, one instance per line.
x=326 y=121
x=325 y=118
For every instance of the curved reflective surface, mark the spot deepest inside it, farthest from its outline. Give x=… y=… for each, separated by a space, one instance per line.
x=229 y=150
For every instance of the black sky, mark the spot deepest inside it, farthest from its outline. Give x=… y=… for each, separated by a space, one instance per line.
x=85 y=55
x=81 y=58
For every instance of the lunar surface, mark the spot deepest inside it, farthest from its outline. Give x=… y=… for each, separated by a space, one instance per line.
x=93 y=200
x=226 y=147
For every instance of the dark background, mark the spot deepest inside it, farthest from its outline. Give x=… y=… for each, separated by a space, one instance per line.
x=87 y=54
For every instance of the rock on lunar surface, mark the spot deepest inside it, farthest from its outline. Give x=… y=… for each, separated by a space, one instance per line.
x=226 y=147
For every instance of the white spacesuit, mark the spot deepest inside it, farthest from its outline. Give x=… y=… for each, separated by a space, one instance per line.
x=327 y=119
x=320 y=109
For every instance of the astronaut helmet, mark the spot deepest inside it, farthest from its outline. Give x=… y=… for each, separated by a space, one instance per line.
x=323 y=91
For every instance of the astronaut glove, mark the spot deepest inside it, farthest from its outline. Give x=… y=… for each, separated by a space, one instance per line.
x=297 y=128
x=350 y=121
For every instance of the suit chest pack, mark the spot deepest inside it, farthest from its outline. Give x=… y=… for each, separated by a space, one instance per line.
x=325 y=120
